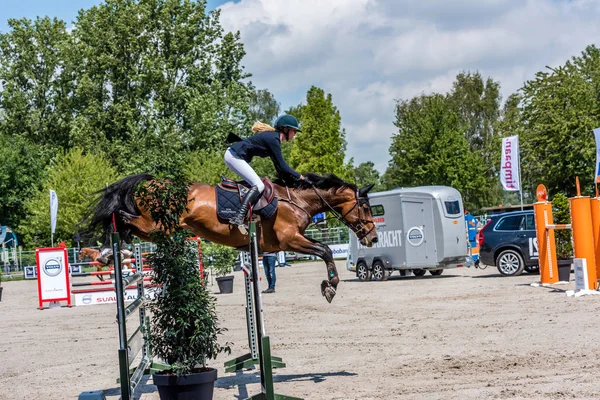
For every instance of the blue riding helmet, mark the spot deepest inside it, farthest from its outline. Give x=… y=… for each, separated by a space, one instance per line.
x=286 y=121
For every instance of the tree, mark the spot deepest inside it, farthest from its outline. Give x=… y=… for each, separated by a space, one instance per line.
x=75 y=177
x=36 y=88
x=321 y=146
x=366 y=174
x=21 y=171
x=431 y=149
x=150 y=69
x=561 y=107
x=263 y=106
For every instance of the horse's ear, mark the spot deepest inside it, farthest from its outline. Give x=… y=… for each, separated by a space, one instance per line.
x=363 y=191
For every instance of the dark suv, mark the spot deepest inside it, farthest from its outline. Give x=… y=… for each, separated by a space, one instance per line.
x=508 y=241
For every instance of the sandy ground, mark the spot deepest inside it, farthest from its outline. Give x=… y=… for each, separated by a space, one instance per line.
x=468 y=334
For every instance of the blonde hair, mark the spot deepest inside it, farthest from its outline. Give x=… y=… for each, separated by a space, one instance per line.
x=261 y=127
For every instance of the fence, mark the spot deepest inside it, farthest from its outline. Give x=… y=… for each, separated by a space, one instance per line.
x=15 y=265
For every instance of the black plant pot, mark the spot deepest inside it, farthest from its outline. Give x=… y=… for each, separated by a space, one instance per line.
x=225 y=284
x=195 y=386
x=564 y=269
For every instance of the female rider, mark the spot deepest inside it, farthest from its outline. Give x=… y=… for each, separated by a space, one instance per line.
x=266 y=143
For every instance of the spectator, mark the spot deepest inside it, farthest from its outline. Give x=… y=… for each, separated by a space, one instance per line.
x=269 y=260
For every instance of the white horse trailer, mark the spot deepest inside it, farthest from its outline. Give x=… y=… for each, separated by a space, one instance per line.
x=419 y=229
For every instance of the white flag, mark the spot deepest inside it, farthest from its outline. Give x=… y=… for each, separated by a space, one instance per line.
x=53 y=210
x=509 y=166
x=597 y=135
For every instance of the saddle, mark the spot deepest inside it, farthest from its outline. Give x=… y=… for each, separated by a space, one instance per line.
x=230 y=194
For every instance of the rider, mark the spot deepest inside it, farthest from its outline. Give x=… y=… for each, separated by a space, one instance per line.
x=266 y=143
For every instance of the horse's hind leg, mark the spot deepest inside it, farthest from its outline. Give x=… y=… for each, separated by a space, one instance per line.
x=302 y=244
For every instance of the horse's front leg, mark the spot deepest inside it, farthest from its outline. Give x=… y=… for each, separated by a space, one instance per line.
x=302 y=244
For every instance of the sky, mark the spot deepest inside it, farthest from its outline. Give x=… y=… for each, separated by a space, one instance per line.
x=371 y=53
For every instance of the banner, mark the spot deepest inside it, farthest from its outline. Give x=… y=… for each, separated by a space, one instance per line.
x=53 y=210
x=597 y=135
x=509 y=166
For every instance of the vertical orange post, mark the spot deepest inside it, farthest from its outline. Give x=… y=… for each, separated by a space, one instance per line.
x=583 y=240
x=546 y=241
x=595 y=205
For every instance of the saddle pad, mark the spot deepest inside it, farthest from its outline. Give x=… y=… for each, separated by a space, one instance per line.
x=228 y=204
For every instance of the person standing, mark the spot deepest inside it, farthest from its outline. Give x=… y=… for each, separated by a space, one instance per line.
x=269 y=260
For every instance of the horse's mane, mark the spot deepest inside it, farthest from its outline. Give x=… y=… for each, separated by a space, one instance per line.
x=325 y=182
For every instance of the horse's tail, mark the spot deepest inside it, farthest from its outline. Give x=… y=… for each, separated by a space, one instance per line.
x=120 y=196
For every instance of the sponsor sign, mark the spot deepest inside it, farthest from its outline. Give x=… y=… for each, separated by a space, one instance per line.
x=581 y=279
x=339 y=250
x=391 y=238
x=110 y=296
x=533 y=248
x=415 y=236
x=509 y=166
x=53 y=275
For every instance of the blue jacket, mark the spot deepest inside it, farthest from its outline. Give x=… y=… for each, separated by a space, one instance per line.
x=265 y=144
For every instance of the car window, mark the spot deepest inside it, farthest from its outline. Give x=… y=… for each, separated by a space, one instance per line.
x=530 y=222
x=512 y=223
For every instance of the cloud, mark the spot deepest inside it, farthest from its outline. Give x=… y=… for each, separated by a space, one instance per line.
x=370 y=53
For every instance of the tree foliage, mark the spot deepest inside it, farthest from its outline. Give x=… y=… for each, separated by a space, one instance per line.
x=321 y=146
x=561 y=107
x=76 y=178
x=432 y=149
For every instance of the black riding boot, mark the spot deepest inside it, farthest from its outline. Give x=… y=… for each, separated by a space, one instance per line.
x=250 y=199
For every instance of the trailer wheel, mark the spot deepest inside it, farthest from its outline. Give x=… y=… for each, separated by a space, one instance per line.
x=436 y=272
x=379 y=271
x=362 y=272
x=419 y=272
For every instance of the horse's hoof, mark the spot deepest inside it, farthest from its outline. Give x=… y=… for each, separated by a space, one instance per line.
x=328 y=290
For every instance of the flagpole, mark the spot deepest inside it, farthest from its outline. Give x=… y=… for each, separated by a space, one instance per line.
x=519 y=167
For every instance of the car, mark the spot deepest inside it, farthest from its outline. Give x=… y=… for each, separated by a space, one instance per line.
x=509 y=242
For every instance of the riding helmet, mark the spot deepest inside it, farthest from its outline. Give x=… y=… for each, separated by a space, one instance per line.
x=286 y=121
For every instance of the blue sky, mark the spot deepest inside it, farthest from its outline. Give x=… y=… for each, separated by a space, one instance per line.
x=370 y=53
x=61 y=9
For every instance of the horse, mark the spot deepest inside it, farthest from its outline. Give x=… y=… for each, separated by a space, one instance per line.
x=94 y=254
x=284 y=231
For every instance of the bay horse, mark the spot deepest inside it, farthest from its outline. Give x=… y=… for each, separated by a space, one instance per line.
x=283 y=231
x=94 y=254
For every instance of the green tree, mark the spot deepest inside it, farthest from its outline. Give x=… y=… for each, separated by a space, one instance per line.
x=36 y=89
x=21 y=171
x=431 y=149
x=561 y=107
x=366 y=174
x=321 y=146
x=263 y=106
x=148 y=69
x=75 y=177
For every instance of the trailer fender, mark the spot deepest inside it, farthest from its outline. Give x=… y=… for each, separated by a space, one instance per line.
x=367 y=260
x=387 y=263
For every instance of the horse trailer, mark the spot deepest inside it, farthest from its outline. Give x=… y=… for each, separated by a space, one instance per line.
x=419 y=229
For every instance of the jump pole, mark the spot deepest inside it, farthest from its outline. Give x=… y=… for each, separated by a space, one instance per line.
x=264 y=345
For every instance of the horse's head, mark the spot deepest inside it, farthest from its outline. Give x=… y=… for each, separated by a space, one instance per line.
x=356 y=212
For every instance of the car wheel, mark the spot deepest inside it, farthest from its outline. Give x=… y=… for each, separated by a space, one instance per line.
x=436 y=272
x=419 y=272
x=379 y=271
x=510 y=263
x=362 y=272
x=533 y=269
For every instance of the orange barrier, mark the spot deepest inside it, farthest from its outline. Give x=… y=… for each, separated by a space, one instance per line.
x=585 y=226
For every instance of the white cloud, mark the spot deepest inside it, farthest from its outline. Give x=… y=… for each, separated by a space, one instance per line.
x=369 y=53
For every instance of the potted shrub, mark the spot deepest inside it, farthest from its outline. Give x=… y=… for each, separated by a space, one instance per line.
x=184 y=328
x=222 y=260
x=564 y=243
